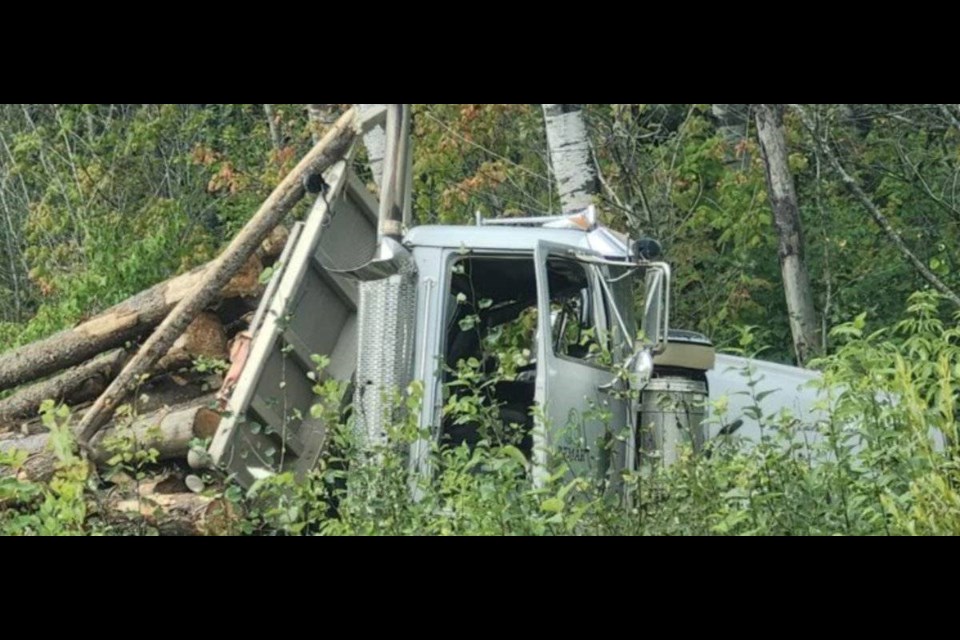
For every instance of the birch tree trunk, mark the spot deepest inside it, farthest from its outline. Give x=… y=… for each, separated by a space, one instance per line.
x=570 y=155
x=786 y=216
x=275 y=138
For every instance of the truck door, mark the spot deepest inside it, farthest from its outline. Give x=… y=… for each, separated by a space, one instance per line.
x=582 y=425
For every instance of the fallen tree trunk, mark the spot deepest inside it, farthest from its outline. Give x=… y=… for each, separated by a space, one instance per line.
x=118 y=325
x=74 y=386
x=325 y=154
x=178 y=514
x=172 y=514
x=169 y=431
x=205 y=337
x=159 y=393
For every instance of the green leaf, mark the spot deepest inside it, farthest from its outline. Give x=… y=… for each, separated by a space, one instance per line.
x=552 y=505
x=764 y=394
x=512 y=452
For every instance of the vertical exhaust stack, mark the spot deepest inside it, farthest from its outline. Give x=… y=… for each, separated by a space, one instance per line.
x=395 y=196
x=388 y=294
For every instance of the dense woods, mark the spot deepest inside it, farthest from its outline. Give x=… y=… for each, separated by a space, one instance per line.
x=819 y=235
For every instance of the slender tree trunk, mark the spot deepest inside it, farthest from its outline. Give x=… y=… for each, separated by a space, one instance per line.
x=275 y=138
x=786 y=215
x=570 y=156
x=13 y=243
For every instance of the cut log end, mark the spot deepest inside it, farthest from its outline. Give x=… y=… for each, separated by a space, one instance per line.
x=169 y=432
x=204 y=338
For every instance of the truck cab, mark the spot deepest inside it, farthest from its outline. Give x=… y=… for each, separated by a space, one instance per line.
x=545 y=314
x=561 y=318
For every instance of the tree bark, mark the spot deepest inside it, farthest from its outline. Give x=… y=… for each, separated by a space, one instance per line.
x=74 y=386
x=174 y=514
x=332 y=148
x=275 y=138
x=205 y=337
x=273 y=246
x=160 y=393
x=570 y=157
x=786 y=216
x=116 y=326
x=169 y=430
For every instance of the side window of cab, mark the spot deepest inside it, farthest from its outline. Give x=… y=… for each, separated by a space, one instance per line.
x=576 y=333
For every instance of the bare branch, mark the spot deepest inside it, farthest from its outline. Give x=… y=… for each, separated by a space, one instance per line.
x=882 y=221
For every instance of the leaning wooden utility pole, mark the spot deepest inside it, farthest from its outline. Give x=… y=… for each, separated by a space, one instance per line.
x=327 y=152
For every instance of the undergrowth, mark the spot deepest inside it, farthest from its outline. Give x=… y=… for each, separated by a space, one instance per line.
x=884 y=461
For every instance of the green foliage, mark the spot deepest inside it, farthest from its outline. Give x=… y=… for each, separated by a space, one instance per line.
x=105 y=200
x=870 y=466
x=58 y=507
x=479 y=157
x=102 y=201
x=111 y=199
x=883 y=460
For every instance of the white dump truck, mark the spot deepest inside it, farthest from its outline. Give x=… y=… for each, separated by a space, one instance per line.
x=387 y=307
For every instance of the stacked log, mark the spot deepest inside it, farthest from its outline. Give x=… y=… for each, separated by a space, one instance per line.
x=168 y=431
x=145 y=348
x=174 y=408
x=174 y=514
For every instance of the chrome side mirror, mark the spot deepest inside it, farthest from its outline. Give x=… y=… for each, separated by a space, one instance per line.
x=656 y=308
